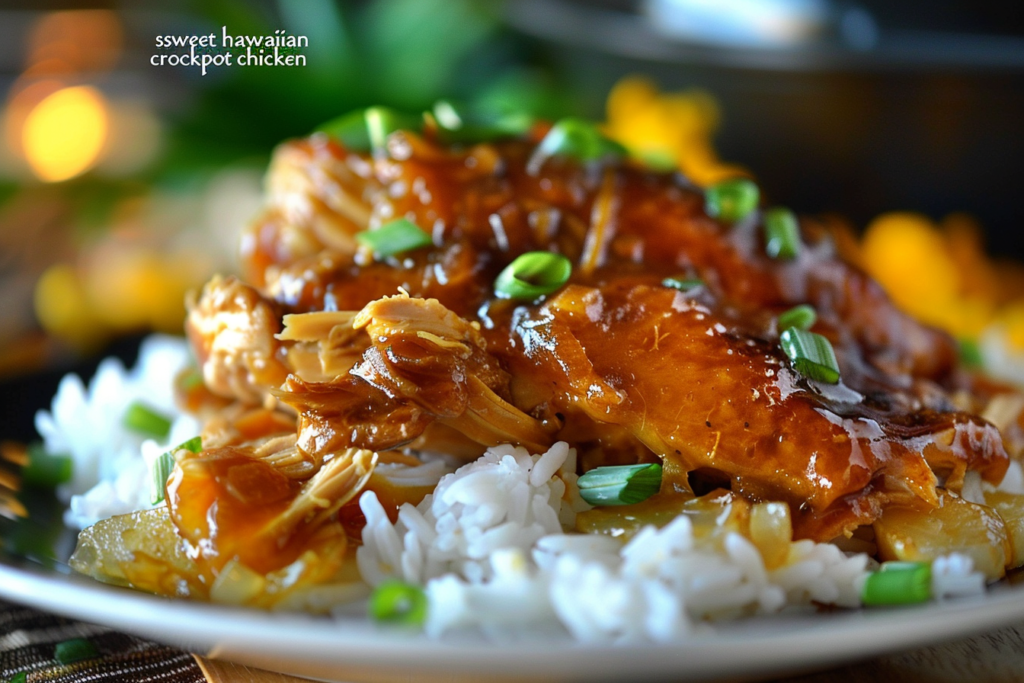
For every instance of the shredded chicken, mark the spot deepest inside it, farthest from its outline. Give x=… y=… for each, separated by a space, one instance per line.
x=232 y=327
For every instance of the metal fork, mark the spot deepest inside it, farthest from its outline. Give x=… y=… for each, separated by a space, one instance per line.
x=13 y=456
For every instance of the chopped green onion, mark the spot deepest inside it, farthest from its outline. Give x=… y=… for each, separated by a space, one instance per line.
x=447 y=115
x=353 y=131
x=812 y=355
x=46 y=470
x=397 y=602
x=163 y=466
x=75 y=650
x=382 y=122
x=193 y=445
x=394 y=238
x=782 y=234
x=731 y=200
x=191 y=379
x=683 y=285
x=159 y=474
x=575 y=138
x=20 y=677
x=533 y=274
x=902 y=585
x=801 y=317
x=350 y=129
x=620 y=485
x=970 y=354
x=892 y=565
x=139 y=418
x=461 y=123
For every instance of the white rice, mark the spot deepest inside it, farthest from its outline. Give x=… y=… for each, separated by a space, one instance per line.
x=110 y=464
x=491 y=545
x=490 y=550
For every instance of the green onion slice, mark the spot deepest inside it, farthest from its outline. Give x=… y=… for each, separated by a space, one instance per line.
x=191 y=379
x=382 y=122
x=782 y=234
x=731 y=200
x=801 y=317
x=352 y=129
x=620 y=485
x=812 y=355
x=162 y=467
x=576 y=138
x=193 y=445
x=893 y=565
x=463 y=123
x=397 y=602
x=46 y=470
x=682 y=284
x=970 y=354
x=533 y=274
x=907 y=584
x=144 y=420
x=394 y=238
x=20 y=677
x=75 y=650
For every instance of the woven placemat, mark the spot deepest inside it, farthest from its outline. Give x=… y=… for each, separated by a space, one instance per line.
x=29 y=639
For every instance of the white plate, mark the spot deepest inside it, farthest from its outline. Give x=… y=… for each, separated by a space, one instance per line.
x=355 y=650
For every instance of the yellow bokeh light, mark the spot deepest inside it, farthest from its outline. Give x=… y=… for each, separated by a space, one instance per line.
x=65 y=133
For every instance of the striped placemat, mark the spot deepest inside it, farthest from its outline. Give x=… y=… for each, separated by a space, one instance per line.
x=33 y=643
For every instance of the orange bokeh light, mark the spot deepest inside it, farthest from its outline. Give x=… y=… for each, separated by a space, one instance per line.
x=75 y=41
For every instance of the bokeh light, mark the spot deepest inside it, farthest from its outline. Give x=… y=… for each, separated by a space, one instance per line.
x=65 y=133
x=74 y=41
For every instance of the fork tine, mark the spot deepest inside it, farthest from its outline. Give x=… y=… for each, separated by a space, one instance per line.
x=11 y=507
x=9 y=480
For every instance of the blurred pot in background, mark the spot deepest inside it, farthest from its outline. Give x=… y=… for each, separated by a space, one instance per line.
x=858 y=109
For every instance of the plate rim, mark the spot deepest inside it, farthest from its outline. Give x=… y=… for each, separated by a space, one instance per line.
x=307 y=645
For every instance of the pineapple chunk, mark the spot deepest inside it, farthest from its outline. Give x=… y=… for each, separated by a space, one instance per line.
x=1010 y=507
x=141 y=549
x=771 y=530
x=713 y=515
x=956 y=525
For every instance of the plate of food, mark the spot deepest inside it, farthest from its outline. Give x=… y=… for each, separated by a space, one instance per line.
x=491 y=396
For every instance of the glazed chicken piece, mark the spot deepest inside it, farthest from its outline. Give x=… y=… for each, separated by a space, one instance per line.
x=710 y=398
x=228 y=504
x=593 y=362
x=483 y=207
x=315 y=205
x=423 y=364
x=621 y=366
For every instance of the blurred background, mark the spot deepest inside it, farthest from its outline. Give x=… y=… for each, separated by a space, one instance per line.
x=123 y=184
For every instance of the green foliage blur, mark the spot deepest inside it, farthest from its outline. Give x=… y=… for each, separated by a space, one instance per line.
x=405 y=54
